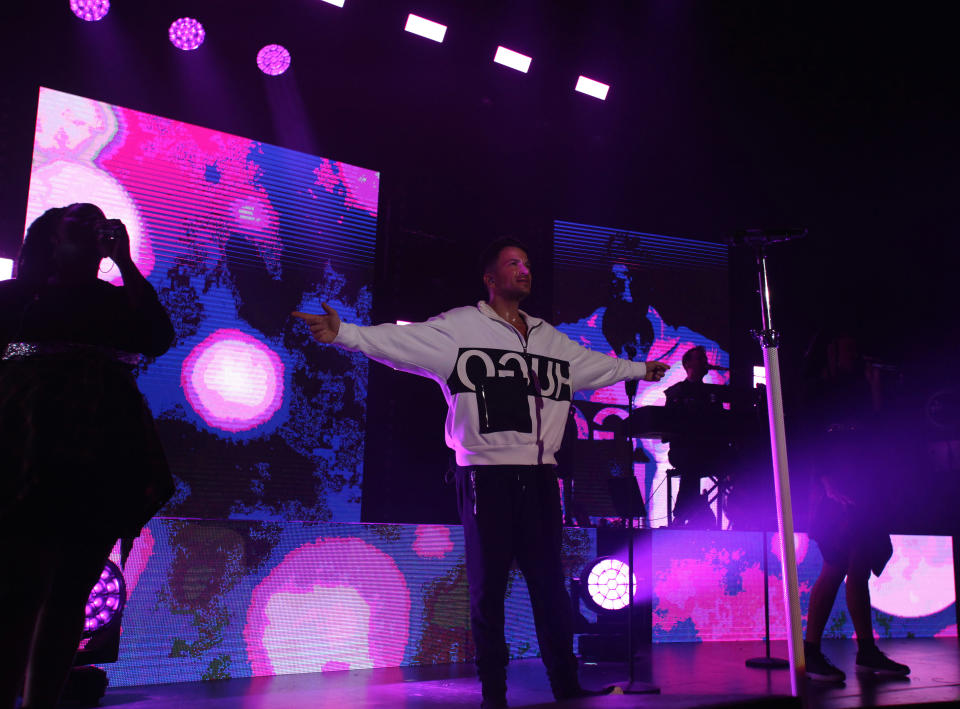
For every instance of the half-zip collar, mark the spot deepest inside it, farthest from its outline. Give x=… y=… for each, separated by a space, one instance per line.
x=532 y=322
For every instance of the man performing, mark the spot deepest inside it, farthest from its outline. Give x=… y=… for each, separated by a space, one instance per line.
x=508 y=378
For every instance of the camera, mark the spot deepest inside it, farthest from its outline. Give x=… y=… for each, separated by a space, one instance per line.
x=111 y=230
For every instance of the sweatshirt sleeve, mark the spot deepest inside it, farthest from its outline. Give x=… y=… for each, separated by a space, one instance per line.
x=593 y=370
x=427 y=348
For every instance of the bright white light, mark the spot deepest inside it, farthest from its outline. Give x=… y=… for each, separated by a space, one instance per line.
x=403 y=322
x=512 y=59
x=338 y=3
x=6 y=268
x=425 y=28
x=592 y=88
x=759 y=376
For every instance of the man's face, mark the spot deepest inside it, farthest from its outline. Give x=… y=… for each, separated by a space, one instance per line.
x=698 y=366
x=510 y=276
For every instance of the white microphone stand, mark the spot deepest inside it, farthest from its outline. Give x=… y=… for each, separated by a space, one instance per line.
x=770 y=341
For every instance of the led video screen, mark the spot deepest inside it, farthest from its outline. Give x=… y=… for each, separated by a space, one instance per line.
x=641 y=297
x=258 y=421
x=708 y=586
x=215 y=599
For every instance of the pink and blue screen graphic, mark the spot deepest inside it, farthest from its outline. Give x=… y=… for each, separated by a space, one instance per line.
x=708 y=586
x=641 y=297
x=213 y=599
x=258 y=421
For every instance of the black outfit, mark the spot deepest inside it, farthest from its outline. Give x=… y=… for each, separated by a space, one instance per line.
x=513 y=512
x=843 y=432
x=79 y=453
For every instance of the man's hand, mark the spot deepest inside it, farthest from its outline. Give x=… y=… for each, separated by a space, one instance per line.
x=655 y=371
x=324 y=328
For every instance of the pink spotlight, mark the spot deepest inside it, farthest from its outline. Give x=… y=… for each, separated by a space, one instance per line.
x=233 y=381
x=592 y=88
x=273 y=60
x=90 y=10
x=186 y=34
x=512 y=59
x=425 y=28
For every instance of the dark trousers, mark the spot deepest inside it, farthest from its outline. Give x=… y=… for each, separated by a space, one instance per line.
x=513 y=513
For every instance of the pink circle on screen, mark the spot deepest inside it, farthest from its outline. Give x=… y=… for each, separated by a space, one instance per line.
x=432 y=541
x=333 y=604
x=233 y=381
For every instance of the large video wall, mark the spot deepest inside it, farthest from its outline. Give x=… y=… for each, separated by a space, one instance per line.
x=217 y=599
x=259 y=422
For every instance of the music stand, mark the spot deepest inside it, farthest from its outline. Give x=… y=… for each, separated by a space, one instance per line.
x=630 y=501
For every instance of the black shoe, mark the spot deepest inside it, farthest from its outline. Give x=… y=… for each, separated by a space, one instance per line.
x=819 y=667
x=579 y=692
x=872 y=660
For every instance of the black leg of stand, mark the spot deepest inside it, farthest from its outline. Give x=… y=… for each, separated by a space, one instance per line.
x=632 y=686
x=766 y=662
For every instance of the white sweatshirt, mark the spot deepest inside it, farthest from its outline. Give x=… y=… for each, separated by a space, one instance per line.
x=470 y=352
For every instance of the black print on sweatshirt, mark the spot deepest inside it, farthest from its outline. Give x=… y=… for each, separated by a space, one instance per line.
x=502 y=381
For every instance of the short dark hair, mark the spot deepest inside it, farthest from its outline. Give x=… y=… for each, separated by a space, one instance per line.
x=491 y=253
x=688 y=355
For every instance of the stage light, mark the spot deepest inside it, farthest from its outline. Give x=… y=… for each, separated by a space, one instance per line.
x=6 y=268
x=338 y=3
x=604 y=584
x=403 y=322
x=425 y=28
x=512 y=59
x=106 y=599
x=592 y=88
x=90 y=10
x=273 y=59
x=187 y=34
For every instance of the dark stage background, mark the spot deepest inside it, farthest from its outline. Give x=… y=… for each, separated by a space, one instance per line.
x=720 y=116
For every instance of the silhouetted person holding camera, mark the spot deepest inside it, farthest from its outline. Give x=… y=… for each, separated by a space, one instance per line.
x=80 y=461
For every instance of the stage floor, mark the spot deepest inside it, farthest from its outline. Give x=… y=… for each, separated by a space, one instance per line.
x=689 y=675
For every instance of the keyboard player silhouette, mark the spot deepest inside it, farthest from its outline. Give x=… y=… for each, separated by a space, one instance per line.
x=696 y=454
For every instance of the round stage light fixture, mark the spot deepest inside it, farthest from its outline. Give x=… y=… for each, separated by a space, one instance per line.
x=273 y=59
x=603 y=584
x=90 y=10
x=187 y=34
x=105 y=601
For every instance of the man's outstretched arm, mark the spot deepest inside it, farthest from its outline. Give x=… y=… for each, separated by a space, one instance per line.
x=427 y=349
